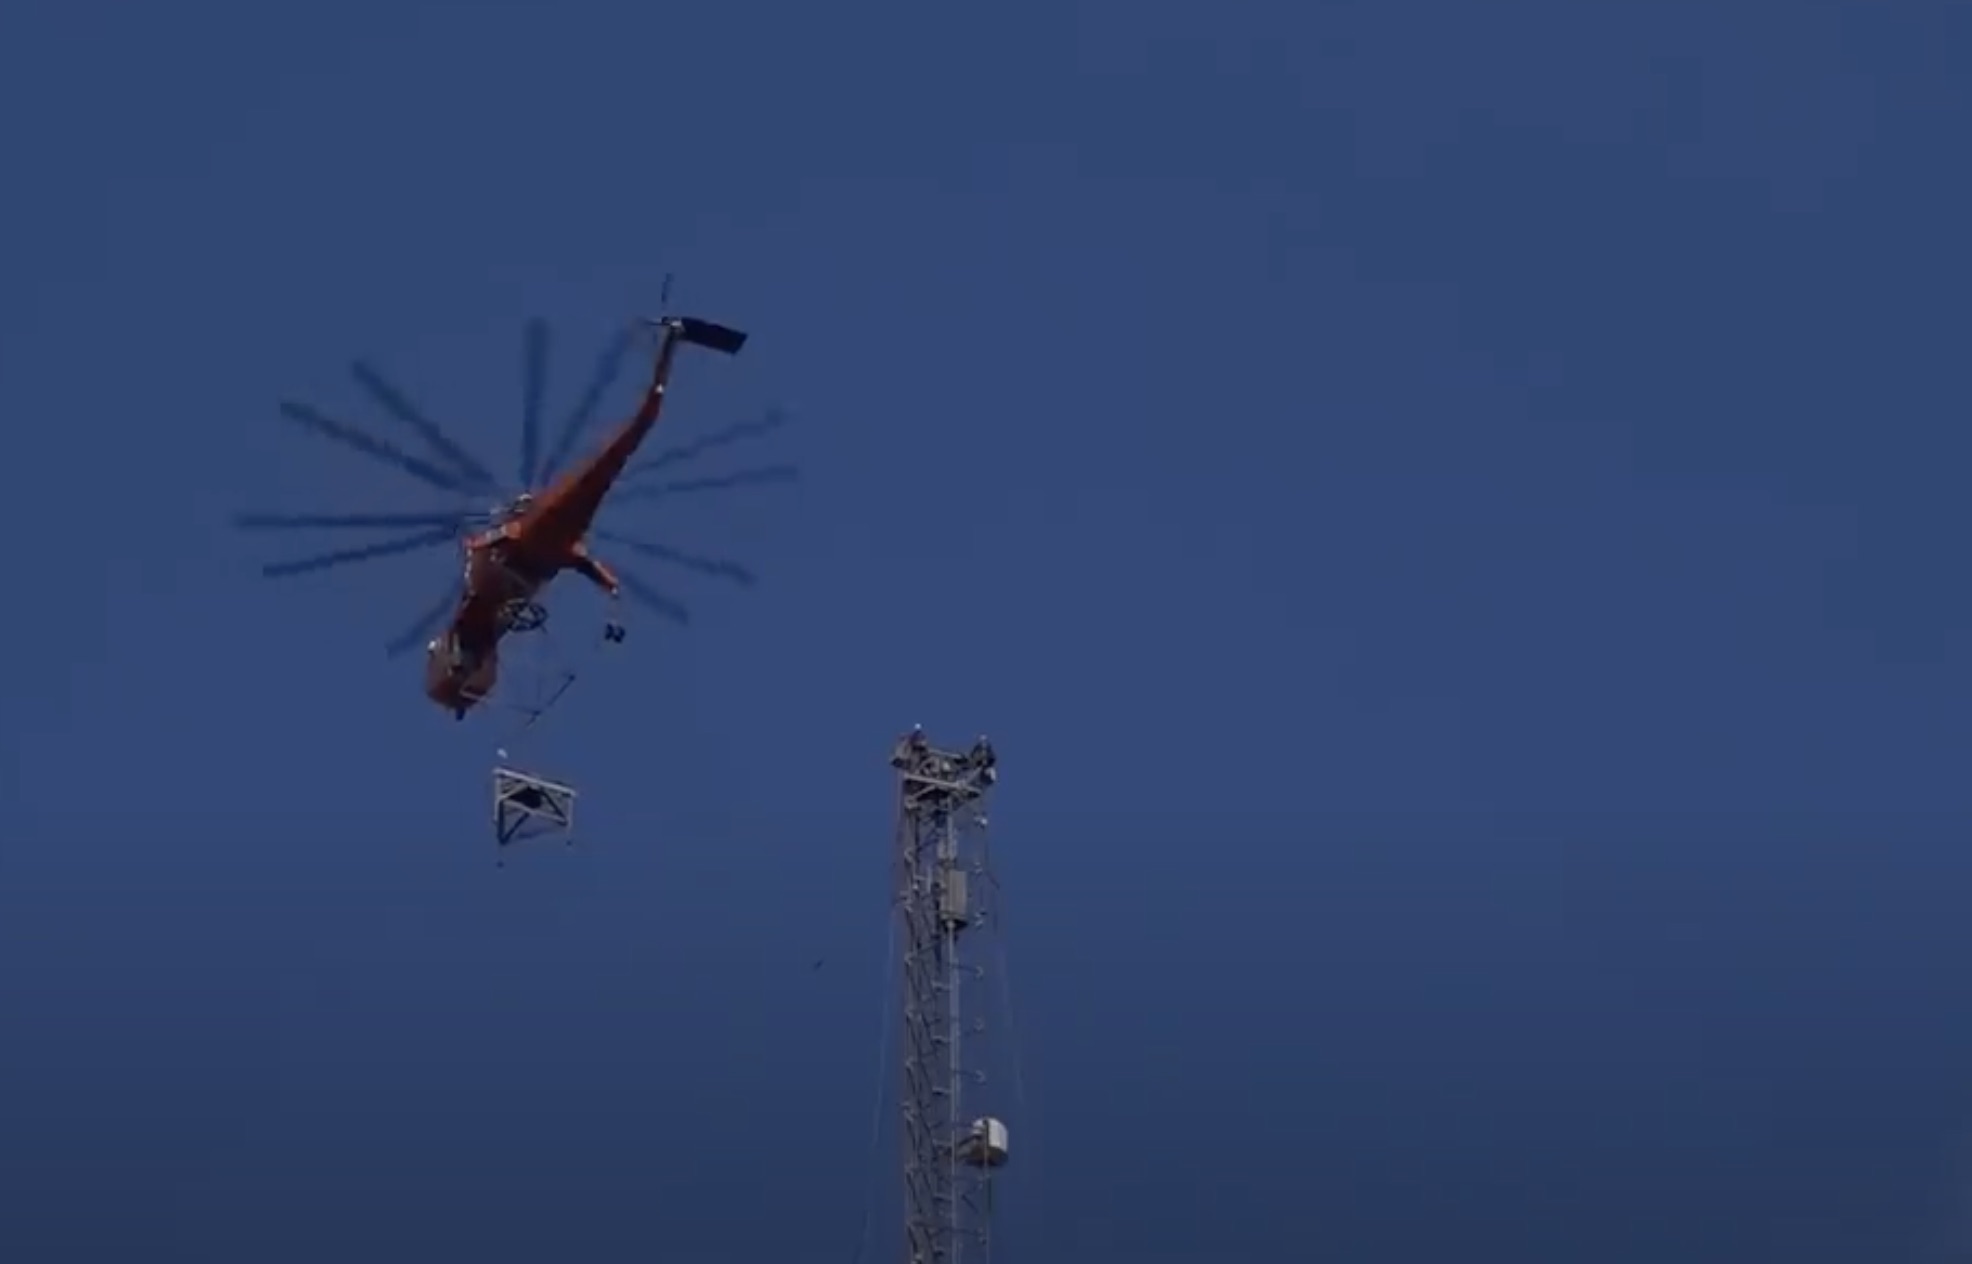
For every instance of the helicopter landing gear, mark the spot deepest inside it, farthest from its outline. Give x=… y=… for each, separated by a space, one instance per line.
x=522 y=615
x=613 y=629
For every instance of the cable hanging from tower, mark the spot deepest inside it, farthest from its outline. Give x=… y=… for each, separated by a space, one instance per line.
x=880 y=1098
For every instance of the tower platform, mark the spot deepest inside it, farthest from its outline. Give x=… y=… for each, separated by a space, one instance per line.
x=527 y=807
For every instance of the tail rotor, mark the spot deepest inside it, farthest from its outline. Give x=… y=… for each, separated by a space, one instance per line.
x=711 y=335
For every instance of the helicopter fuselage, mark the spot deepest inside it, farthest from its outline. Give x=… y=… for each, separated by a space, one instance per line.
x=505 y=571
x=509 y=565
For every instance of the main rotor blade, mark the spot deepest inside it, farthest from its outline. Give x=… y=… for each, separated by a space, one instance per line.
x=690 y=561
x=418 y=633
x=774 y=420
x=426 y=540
x=650 y=595
x=370 y=445
x=397 y=405
x=533 y=384
x=609 y=366
x=763 y=474
x=283 y=522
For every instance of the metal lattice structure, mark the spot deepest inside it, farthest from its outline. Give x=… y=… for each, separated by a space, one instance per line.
x=526 y=807
x=945 y=904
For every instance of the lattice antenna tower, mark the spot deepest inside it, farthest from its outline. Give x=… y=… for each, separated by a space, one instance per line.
x=947 y=905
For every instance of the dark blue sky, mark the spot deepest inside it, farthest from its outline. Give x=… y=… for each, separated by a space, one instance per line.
x=1450 y=512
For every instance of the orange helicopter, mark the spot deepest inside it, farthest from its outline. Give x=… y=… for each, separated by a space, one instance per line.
x=541 y=537
x=513 y=552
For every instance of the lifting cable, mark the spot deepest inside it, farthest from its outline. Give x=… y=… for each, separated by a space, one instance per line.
x=1024 y=1117
x=881 y=1096
x=534 y=663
